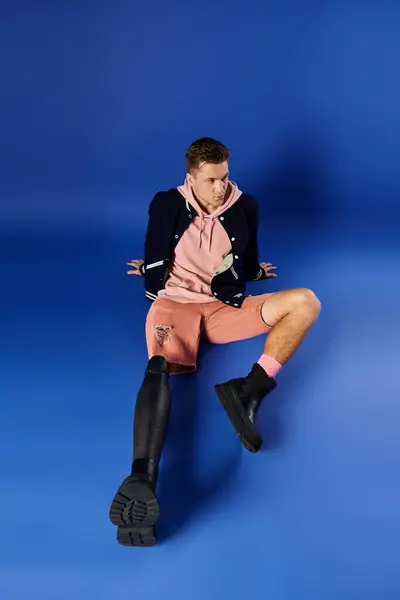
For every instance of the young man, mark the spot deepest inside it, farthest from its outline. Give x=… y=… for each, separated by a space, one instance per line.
x=201 y=246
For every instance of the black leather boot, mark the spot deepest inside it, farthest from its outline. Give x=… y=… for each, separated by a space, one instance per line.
x=241 y=399
x=135 y=508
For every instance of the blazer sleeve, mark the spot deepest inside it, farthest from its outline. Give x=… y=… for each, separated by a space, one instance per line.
x=251 y=265
x=163 y=215
x=153 y=232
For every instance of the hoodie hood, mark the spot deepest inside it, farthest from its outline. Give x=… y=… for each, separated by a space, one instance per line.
x=206 y=220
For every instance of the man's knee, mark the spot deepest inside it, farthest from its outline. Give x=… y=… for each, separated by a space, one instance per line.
x=304 y=297
x=280 y=304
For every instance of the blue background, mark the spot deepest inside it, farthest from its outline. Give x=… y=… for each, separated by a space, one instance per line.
x=99 y=101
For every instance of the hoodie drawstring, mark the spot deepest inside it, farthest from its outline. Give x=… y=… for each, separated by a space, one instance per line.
x=211 y=220
x=211 y=232
x=201 y=228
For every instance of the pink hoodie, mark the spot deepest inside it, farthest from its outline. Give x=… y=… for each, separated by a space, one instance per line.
x=199 y=252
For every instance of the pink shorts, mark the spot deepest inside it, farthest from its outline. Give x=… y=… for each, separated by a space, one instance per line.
x=174 y=330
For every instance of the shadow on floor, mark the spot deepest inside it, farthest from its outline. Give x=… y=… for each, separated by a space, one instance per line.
x=182 y=492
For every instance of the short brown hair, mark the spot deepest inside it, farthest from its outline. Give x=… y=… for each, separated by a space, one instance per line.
x=205 y=150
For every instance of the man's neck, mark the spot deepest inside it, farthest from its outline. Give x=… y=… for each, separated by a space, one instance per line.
x=209 y=208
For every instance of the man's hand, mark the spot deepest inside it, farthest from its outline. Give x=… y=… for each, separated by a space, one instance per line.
x=267 y=268
x=136 y=264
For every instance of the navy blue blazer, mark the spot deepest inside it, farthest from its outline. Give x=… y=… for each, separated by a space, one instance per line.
x=169 y=217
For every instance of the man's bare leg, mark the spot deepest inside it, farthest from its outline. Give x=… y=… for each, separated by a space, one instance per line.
x=290 y=314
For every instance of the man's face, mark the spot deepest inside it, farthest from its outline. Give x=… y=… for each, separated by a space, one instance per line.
x=210 y=183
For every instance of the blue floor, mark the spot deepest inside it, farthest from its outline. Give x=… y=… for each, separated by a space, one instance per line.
x=315 y=515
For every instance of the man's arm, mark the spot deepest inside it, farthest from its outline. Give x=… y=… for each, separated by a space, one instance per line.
x=156 y=214
x=152 y=231
x=163 y=215
x=251 y=266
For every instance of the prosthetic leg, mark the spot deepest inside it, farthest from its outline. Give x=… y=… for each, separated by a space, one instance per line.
x=135 y=508
x=241 y=399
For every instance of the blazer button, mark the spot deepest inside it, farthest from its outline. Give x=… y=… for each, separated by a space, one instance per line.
x=221 y=218
x=236 y=256
x=233 y=239
x=176 y=237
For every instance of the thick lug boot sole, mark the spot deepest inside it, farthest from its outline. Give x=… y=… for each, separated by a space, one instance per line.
x=140 y=537
x=135 y=510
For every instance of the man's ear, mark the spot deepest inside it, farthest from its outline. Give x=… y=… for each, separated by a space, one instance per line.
x=189 y=178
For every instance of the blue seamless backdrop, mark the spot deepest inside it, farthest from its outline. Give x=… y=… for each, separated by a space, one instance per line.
x=98 y=103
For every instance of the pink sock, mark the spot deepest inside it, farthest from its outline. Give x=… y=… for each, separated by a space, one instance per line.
x=269 y=364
